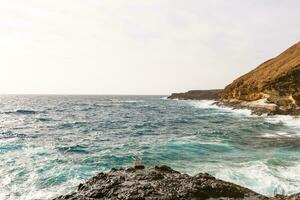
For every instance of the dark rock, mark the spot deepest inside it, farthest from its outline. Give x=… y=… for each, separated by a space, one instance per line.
x=160 y=182
x=165 y=168
x=139 y=167
x=81 y=186
x=197 y=95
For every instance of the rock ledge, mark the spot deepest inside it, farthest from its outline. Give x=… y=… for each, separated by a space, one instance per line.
x=160 y=182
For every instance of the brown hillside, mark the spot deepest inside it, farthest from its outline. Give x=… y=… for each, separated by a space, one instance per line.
x=277 y=79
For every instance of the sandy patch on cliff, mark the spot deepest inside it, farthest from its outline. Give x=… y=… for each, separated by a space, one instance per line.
x=261 y=103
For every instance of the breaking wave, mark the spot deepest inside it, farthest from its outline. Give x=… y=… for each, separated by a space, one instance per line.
x=47 y=153
x=285 y=120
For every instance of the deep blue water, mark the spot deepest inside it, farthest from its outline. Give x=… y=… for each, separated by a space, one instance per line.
x=49 y=144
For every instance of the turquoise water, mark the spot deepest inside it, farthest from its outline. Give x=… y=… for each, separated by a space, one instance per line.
x=49 y=144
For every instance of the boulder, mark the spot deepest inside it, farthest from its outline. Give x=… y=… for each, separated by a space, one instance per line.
x=157 y=183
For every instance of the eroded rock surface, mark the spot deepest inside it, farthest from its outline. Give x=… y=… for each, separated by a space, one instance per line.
x=157 y=183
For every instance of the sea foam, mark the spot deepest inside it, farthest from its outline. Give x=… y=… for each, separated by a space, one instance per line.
x=211 y=104
x=260 y=177
x=284 y=120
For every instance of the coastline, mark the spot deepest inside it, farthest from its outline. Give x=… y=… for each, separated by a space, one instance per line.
x=259 y=107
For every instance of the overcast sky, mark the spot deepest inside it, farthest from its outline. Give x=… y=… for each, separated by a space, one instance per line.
x=138 y=46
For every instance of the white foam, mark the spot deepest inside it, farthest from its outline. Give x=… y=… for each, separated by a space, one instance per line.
x=48 y=193
x=245 y=112
x=269 y=135
x=257 y=176
x=204 y=104
x=210 y=104
x=126 y=101
x=279 y=135
x=284 y=120
x=283 y=133
x=194 y=140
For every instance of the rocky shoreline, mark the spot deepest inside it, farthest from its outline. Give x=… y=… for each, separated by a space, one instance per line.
x=271 y=88
x=161 y=183
x=258 y=107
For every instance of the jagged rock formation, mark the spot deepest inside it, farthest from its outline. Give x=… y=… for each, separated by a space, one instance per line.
x=155 y=184
x=162 y=183
x=276 y=80
x=197 y=95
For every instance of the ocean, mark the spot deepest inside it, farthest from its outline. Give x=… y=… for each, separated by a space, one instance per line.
x=50 y=144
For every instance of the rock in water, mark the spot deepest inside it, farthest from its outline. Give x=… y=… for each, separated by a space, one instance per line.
x=276 y=80
x=155 y=184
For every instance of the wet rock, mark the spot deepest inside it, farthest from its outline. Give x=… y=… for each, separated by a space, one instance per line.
x=160 y=182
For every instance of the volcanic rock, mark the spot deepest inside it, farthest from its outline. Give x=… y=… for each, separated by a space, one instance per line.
x=157 y=183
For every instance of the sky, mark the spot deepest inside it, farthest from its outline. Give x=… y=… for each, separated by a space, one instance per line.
x=138 y=46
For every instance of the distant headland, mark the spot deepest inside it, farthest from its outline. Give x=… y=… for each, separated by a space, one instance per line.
x=198 y=95
x=272 y=88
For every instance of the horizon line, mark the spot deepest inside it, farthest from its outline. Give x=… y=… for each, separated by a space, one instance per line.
x=62 y=94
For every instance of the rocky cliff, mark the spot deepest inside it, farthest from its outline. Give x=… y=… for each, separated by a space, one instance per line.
x=276 y=80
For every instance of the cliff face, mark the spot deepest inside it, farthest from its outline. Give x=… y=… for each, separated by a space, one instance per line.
x=277 y=80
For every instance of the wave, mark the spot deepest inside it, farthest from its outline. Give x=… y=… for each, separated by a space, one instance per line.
x=21 y=111
x=42 y=119
x=126 y=101
x=49 y=190
x=73 y=149
x=286 y=120
x=10 y=134
x=211 y=104
x=204 y=104
x=26 y=112
x=68 y=125
x=258 y=176
x=87 y=109
x=279 y=135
